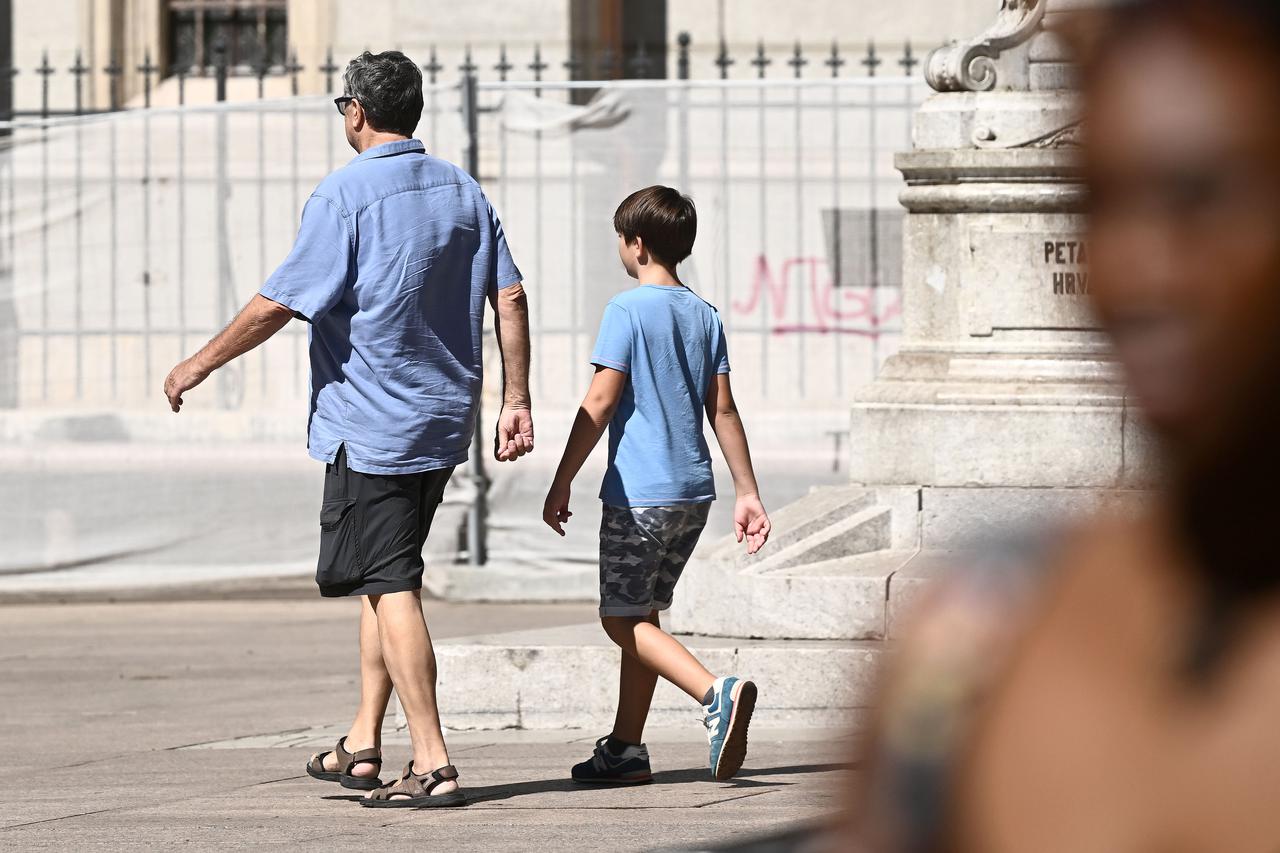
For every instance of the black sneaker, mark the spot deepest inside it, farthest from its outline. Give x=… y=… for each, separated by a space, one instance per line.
x=603 y=767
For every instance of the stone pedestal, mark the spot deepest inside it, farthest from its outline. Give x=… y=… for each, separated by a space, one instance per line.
x=1002 y=408
x=1003 y=403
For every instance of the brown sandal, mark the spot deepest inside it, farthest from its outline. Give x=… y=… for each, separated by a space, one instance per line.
x=413 y=791
x=346 y=761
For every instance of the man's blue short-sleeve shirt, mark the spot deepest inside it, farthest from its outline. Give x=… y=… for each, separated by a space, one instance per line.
x=397 y=254
x=671 y=344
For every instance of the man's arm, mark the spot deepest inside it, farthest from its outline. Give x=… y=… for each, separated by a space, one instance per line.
x=255 y=323
x=514 y=437
x=749 y=518
x=593 y=416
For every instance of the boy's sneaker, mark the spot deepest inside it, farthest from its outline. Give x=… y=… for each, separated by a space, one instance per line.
x=603 y=767
x=727 y=719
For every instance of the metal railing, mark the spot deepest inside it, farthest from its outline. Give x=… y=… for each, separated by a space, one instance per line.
x=753 y=140
x=605 y=64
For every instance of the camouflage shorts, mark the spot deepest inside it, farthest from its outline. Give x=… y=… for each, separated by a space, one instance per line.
x=643 y=549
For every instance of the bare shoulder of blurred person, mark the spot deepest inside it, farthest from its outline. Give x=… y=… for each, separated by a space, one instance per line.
x=958 y=641
x=988 y=709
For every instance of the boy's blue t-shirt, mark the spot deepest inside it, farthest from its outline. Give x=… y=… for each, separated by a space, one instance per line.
x=670 y=343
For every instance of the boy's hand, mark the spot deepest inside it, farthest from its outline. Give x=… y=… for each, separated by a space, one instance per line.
x=751 y=522
x=555 y=511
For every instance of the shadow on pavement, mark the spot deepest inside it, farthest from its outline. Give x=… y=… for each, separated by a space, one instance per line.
x=744 y=779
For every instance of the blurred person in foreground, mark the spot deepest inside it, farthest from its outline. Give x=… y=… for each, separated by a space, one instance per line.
x=1118 y=688
x=396 y=256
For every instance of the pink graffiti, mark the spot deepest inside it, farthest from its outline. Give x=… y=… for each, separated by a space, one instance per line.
x=822 y=307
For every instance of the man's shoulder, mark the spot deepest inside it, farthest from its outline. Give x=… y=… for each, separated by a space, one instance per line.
x=362 y=182
x=336 y=189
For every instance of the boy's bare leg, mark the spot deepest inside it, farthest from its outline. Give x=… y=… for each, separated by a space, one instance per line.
x=411 y=661
x=636 y=683
x=660 y=652
x=375 y=692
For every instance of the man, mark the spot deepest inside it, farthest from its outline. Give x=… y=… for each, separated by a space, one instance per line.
x=397 y=253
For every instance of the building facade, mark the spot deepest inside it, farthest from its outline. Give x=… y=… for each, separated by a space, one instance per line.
x=274 y=48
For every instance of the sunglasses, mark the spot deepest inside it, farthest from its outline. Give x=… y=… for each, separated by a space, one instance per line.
x=341 y=104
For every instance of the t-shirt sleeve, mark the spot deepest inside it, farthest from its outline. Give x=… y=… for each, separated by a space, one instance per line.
x=720 y=355
x=613 y=345
x=505 y=271
x=315 y=275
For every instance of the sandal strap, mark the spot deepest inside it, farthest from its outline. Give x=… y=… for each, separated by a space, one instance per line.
x=372 y=755
x=348 y=760
x=341 y=754
x=416 y=785
x=448 y=773
x=317 y=762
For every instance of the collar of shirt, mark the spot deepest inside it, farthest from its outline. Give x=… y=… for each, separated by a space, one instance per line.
x=388 y=149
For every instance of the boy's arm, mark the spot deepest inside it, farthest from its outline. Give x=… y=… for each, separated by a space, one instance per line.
x=593 y=416
x=749 y=518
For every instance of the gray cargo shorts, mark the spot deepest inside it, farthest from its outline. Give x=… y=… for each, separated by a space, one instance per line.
x=643 y=549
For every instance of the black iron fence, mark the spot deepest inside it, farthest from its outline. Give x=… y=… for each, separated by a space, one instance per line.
x=125 y=239
x=798 y=62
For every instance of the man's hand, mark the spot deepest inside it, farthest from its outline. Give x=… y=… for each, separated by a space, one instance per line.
x=555 y=510
x=255 y=323
x=514 y=436
x=183 y=378
x=751 y=522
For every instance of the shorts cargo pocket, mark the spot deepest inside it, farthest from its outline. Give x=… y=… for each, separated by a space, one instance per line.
x=339 y=544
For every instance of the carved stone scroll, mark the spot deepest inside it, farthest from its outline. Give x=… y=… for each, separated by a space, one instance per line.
x=972 y=65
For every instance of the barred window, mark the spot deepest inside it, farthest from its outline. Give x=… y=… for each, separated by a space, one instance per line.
x=864 y=246
x=254 y=31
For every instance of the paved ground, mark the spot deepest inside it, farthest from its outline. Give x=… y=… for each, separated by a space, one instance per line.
x=165 y=724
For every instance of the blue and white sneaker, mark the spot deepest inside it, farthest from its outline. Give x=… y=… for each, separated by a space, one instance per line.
x=727 y=719
x=603 y=767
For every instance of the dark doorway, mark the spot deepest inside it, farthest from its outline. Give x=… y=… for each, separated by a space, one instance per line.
x=613 y=39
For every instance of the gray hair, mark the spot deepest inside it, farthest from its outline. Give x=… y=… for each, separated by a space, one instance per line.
x=388 y=86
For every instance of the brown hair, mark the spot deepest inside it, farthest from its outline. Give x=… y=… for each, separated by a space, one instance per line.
x=663 y=218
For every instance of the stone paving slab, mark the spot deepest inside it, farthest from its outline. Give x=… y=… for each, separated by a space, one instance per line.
x=186 y=725
x=521 y=798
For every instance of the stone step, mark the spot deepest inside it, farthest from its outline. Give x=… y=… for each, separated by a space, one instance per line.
x=567 y=678
x=797 y=522
x=858 y=532
x=847 y=598
x=828 y=581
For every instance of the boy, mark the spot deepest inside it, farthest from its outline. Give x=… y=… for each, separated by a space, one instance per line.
x=660 y=361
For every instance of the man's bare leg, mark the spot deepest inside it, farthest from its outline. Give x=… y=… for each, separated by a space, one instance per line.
x=636 y=683
x=375 y=693
x=411 y=662
x=643 y=638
